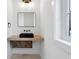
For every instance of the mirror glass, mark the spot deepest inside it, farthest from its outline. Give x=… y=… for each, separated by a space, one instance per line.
x=26 y=19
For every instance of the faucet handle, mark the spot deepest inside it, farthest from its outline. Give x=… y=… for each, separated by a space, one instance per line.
x=27 y=30
x=24 y=30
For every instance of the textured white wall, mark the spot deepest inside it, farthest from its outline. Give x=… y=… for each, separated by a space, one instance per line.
x=9 y=15
x=50 y=28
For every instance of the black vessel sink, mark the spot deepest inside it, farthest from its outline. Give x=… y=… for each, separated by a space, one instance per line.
x=26 y=35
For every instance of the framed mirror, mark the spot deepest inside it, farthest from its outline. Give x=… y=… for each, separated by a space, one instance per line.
x=26 y=19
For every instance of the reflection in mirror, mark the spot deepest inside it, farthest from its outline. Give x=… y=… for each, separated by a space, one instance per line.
x=26 y=19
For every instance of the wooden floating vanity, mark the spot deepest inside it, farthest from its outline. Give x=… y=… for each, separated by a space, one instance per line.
x=17 y=38
x=17 y=42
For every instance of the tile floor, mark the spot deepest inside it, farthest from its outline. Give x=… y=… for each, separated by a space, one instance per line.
x=25 y=56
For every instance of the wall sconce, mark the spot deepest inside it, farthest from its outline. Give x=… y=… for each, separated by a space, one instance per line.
x=26 y=1
x=9 y=24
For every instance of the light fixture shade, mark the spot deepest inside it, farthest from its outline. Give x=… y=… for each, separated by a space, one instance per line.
x=26 y=1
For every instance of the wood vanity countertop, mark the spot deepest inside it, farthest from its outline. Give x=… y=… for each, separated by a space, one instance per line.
x=16 y=38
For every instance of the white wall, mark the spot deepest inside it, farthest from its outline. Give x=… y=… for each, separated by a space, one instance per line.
x=9 y=18
x=15 y=6
x=50 y=28
x=19 y=7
